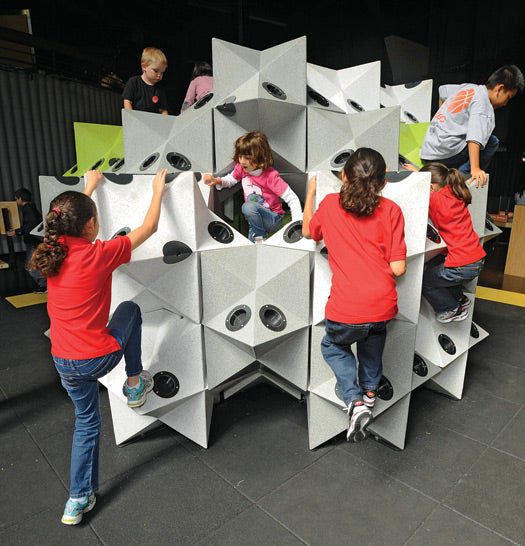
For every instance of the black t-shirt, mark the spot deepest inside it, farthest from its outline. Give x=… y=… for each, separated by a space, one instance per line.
x=144 y=97
x=31 y=217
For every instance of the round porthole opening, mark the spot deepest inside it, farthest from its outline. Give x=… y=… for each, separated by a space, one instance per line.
x=74 y=169
x=274 y=91
x=355 y=105
x=165 y=384
x=228 y=107
x=97 y=164
x=148 y=162
x=180 y=162
x=238 y=318
x=318 y=98
x=411 y=85
x=474 y=332
x=175 y=251
x=488 y=225
x=432 y=234
x=221 y=232
x=202 y=101
x=324 y=252
x=420 y=366
x=397 y=176
x=294 y=232
x=411 y=117
x=385 y=391
x=117 y=165
x=341 y=158
x=447 y=344
x=121 y=232
x=273 y=318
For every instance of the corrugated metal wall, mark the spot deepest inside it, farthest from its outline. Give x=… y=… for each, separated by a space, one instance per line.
x=37 y=112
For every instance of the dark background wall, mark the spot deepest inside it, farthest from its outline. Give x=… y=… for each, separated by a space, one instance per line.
x=461 y=41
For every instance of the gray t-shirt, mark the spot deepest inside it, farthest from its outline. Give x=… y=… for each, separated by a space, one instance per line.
x=466 y=115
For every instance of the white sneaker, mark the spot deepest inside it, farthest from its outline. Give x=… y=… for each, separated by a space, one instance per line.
x=359 y=417
x=457 y=314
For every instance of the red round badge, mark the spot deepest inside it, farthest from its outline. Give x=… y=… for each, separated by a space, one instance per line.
x=155 y=99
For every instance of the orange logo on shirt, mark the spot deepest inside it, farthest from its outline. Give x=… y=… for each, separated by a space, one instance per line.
x=460 y=102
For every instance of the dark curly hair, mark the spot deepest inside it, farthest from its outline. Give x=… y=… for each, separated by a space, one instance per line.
x=364 y=178
x=68 y=214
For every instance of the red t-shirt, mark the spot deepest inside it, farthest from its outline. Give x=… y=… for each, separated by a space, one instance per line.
x=79 y=297
x=360 y=249
x=452 y=219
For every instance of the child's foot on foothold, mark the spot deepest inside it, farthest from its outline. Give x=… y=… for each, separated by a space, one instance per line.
x=137 y=394
x=359 y=417
x=464 y=302
x=75 y=509
x=369 y=398
x=456 y=314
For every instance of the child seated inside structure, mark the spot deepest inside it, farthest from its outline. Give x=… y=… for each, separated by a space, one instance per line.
x=262 y=185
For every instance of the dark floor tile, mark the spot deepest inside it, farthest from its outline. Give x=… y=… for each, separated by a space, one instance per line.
x=433 y=461
x=486 y=376
x=9 y=421
x=45 y=529
x=323 y=504
x=174 y=499
x=252 y=528
x=22 y=334
x=479 y=417
x=492 y=493
x=512 y=439
x=447 y=528
x=114 y=460
x=506 y=348
x=253 y=446
x=28 y=484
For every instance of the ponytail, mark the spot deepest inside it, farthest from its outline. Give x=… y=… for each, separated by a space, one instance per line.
x=68 y=215
x=443 y=176
x=364 y=179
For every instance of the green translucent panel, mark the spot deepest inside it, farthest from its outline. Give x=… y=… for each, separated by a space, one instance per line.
x=97 y=146
x=411 y=137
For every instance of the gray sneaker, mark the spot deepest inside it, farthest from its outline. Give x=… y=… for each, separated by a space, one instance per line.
x=137 y=395
x=457 y=314
x=359 y=417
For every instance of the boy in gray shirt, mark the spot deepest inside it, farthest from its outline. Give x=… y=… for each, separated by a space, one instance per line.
x=460 y=134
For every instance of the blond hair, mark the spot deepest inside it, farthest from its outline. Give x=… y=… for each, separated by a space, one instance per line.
x=151 y=55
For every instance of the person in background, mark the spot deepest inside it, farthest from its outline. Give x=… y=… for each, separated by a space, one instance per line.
x=201 y=84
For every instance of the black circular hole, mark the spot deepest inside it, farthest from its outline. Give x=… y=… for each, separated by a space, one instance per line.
x=228 y=107
x=324 y=252
x=238 y=318
x=74 y=169
x=488 y=225
x=411 y=117
x=165 y=384
x=432 y=234
x=410 y=85
x=318 y=98
x=221 y=232
x=396 y=176
x=274 y=91
x=294 y=232
x=198 y=176
x=112 y=161
x=355 y=105
x=447 y=344
x=175 y=252
x=178 y=161
x=121 y=232
x=97 y=164
x=340 y=158
x=385 y=391
x=420 y=366
x=474 y=332
x=119 y=163
x=148 y=162
x=202 y=101
x=68 y=180
x=272 y=317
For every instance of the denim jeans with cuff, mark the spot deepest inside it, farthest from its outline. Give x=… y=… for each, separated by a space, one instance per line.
x=261 y=219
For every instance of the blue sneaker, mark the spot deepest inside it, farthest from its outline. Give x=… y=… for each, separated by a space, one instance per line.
x=137 y=395
x=74 y=510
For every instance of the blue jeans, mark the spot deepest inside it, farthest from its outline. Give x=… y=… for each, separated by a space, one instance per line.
x=79 y=378
x=461 y=161
x=261 y=219
x=443 y=286
x=336 y=350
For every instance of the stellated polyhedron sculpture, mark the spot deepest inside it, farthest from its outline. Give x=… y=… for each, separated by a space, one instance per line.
x=414 y=98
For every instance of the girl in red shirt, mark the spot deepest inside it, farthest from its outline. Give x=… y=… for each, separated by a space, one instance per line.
x=364 y=235
x=445 y=274
x=84 y=346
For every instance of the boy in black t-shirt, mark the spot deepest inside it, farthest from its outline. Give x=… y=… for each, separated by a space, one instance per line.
x=31 y=217
x=143 y=92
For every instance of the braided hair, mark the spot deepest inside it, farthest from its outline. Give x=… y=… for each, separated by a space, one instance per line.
x=365 y=177
x=68 y=214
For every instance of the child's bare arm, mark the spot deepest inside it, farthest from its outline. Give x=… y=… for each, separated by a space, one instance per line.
x=151 y=220
x=92 y=180
x=309 y=207
x=477 y=174
x=128 y=105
